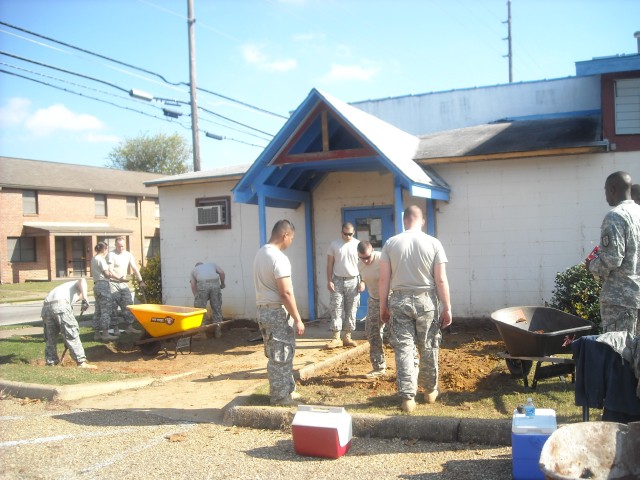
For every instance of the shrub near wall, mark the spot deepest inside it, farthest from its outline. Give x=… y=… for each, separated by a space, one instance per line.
x=578 y=292
x=152 y=275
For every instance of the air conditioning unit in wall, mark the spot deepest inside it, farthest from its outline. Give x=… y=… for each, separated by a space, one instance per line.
x=210 y=215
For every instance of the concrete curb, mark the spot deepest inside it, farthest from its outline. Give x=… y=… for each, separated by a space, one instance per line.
x=432 y=429
x=70 y=392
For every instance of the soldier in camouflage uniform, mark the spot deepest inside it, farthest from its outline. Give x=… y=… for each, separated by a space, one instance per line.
x=342 y=282
x=412 y=265
x=369 y=268
x=120 y=263
x=102 y=294
x=207 y=282
x=617 y=262
x=57 y=316
x=278 y=316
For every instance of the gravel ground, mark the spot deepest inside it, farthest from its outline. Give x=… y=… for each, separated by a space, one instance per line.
x=43 y=440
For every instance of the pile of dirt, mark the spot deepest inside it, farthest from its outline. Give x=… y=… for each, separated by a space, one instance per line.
x=468 y=362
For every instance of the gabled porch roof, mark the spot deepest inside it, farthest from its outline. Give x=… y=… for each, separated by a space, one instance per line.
x=326 y=135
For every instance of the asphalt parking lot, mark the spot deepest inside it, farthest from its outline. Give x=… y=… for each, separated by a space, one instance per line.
x=52 y=440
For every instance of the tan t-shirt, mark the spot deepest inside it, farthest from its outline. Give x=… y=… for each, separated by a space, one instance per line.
x=345 y=256
x=269 y=265
x=412 y=256
x=370 y=274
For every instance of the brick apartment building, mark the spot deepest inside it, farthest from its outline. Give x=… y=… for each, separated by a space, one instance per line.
x=53 y=214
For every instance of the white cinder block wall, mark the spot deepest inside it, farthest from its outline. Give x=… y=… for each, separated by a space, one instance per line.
x=234 y=249
x=512 y=225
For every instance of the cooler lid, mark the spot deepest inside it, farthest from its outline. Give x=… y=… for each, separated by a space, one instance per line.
x=325 y=417
x=544 y=422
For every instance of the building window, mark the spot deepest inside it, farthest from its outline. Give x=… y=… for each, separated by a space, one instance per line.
x=110 y=241
x=213 y=213
x=152 y=247
x=101 y=205
x=627 y=106
x=29 y=202
x=157 y=207
x=21 y=249
x=132 y=207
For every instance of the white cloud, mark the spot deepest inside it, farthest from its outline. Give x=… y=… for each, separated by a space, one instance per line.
x=340 y=73
x=58 y=117
x=15 y=112
x=293 y=2
x=98 y=138
x=253 y=55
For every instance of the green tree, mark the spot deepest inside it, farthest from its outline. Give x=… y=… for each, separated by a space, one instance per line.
x=577 y=292
x=161 y=153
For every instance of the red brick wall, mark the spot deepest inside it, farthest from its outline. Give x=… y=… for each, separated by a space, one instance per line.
x=66 y=207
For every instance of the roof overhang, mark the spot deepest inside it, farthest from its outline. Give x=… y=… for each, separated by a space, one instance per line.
x=573 y=134
x=300 y=156
x=68 y=229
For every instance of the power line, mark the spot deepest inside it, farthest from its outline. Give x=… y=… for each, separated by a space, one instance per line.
x=119 y=106
x=138 y=68
x=63 y=70
x=87 y=51
x=80 y=94
x=127 y=91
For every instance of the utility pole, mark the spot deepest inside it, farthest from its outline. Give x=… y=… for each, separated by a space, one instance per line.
x=192 y=87
x=510 y=54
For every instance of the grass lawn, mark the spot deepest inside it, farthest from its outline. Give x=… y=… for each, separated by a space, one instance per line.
x=22 y=360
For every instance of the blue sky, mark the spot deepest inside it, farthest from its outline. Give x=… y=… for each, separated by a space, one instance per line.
x=267 y=54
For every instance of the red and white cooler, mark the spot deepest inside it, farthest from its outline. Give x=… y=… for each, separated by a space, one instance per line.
x=321 y=431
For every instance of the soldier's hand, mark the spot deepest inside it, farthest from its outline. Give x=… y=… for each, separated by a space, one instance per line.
x=299 y=327
x=84 y=306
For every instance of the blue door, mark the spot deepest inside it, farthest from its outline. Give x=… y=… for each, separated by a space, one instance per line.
x=376 y=225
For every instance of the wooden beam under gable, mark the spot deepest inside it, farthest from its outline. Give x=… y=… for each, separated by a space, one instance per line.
x=317 y=133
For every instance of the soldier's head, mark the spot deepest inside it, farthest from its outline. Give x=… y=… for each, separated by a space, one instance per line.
x=282 y=234
x=617 y=188
x=413 y=218
x=365 y=250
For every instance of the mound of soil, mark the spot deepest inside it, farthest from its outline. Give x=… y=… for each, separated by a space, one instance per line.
x=468 y=362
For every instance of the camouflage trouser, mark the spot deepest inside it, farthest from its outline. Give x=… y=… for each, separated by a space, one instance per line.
x=209 y=291
x=344 y=304
x=59 y=318
x=618 y=319
x=279 y=339
x=414 y=324
x=103 y=306
x=374 y=328
x=121 y=297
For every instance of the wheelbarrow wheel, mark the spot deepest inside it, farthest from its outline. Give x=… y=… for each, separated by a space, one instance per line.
x=519 y=367
x=149 y=348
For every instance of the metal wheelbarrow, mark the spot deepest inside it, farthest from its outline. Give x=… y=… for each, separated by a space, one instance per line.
x=168 y=326
x=538 y=334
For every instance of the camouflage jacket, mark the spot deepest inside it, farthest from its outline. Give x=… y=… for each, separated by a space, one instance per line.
x=617 y=263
